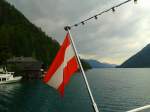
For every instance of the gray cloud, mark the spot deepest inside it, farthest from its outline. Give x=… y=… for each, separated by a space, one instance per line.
x=112 y=38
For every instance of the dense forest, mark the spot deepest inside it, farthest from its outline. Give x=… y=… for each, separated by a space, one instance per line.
x=19 y=37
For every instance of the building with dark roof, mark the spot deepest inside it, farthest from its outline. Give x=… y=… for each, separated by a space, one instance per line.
x=28 y=67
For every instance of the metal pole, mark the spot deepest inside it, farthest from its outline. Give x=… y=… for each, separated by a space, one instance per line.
x=67 y=28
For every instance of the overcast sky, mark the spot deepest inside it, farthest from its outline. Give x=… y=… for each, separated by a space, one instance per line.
x=113 y=38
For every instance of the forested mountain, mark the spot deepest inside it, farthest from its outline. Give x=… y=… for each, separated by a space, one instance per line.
x=19 y=37
x=139 y=60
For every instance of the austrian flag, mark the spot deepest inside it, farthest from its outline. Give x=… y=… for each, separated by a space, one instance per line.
x=63 y=66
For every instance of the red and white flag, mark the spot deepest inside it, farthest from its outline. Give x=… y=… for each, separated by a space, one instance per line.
x=63 y=66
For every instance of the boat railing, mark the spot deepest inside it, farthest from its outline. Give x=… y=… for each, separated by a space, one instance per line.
x=140 y=109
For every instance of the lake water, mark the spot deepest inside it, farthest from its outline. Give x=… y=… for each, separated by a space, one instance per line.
x=115 y=90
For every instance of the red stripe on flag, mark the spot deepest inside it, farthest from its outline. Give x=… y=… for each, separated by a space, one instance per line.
x=58 y=59
x=61 y=89
x=71 y=67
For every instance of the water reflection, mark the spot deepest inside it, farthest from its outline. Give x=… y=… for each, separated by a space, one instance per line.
x=8 y=93
x=115 y=90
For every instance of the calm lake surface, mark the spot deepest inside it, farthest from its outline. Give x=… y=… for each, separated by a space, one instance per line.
x=115 y=90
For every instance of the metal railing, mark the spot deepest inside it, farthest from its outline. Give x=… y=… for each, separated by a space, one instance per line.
x=140 y=109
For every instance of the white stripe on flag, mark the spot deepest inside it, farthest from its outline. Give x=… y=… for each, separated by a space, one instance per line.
x=57 y=78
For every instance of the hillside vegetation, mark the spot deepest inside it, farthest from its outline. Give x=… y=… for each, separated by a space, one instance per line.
x=19 y=37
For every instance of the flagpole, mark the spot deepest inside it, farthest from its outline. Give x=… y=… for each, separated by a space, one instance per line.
x=68 y=28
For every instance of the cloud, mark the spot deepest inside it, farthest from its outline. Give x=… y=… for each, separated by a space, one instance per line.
x=113 y=38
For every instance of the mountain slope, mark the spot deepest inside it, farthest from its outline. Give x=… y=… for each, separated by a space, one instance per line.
x=139 y=60
x=97 y=64
x=19 y=37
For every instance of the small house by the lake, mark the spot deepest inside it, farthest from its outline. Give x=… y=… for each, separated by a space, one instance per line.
x=28 y=67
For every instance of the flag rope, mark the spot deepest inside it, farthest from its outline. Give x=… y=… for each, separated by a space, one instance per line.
x=67 y=28
x=99 y=14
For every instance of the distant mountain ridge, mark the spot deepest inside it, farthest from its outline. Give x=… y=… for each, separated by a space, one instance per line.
x=96 y=64
x=139 y=60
